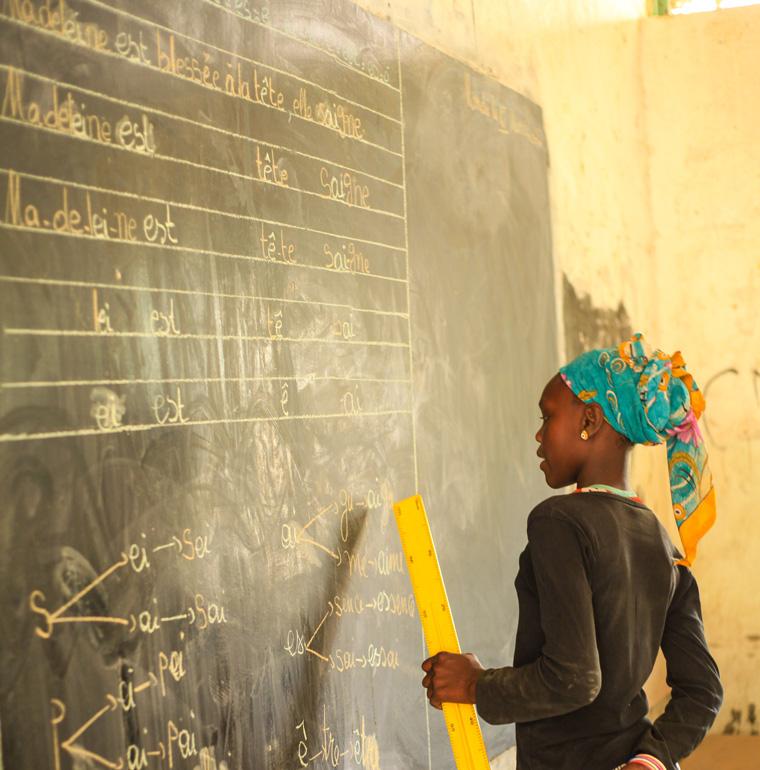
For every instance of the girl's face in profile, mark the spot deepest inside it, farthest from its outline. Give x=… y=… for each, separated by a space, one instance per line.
x=561 y=448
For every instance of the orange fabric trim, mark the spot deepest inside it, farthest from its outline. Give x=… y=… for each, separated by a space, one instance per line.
x=624 y=351
x=696 y=526
x=695 y=395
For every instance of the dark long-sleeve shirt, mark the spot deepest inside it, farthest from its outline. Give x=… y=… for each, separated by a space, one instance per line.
x=598 y=595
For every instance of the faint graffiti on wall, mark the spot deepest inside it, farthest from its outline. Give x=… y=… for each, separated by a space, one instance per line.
x=742 y=722
x=732 y=395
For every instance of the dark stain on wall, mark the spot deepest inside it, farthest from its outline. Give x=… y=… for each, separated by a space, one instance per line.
x=587 y=326
x=742 y=723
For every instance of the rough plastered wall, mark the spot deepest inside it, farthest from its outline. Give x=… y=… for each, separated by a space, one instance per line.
x=703 y=113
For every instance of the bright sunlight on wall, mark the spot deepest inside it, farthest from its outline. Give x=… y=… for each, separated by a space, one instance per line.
x=696 y=6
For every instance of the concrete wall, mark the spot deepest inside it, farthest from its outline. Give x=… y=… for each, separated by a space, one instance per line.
x=655 y=185
x=702 y=113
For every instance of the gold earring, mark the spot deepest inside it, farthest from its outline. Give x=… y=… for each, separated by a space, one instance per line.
x=584 y=435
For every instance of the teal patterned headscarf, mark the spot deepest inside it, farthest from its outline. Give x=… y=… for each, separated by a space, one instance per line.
x=649 y=397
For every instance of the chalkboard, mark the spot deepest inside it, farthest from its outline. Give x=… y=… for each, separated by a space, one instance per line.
x=265 y=268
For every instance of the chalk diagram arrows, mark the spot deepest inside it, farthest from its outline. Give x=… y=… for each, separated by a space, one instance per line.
x=301 y=534
x=70 y=745
x=51 y=619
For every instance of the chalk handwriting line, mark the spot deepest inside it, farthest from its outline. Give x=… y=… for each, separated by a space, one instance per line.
x=204 y=167
x=208 y=252
x=172 y=618
x=153 y=68
x=95 y=309
x=331 y=507
x=55 y=720
x=168 y=545
x=57 y=616
x=301 y=534
x=79 y=751
x=316 y=631
x=409 y=326
x=193 y=293
x=13 y=331
x=122 y=562
x=141 y=427
x=90 y=619
x=110 y=706
x=321 y=753
x=174 y=543
x=151 y=681
x=301 y=539
x=111 y=703
x=164 y=546
x=136 y=620
x=406 y=253
x=204 y=210
x=87 y=754
x=243 y=57
x=303 y=41
x=182 y=118
x=191 y=381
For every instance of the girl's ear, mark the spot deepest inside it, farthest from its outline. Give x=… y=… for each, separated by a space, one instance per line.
x=593 y=418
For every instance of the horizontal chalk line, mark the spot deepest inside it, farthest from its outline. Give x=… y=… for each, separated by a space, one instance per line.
x=188 y=292
x=9 y=437
x=206 y=210
x=82 y=333
x=17 y=385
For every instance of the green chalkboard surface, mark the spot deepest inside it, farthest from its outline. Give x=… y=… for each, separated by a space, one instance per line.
x=264 y=268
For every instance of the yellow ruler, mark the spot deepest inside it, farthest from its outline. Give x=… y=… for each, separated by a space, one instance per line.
x=438 y=625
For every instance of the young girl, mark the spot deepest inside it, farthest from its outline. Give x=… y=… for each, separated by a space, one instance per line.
x=600 y=586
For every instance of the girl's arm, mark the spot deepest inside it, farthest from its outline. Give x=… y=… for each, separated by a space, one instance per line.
x=692 y=675
x=567 y=675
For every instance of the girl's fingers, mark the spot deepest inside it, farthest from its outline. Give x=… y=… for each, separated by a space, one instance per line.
x=434 y=696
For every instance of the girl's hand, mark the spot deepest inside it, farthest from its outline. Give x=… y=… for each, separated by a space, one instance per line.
x=451 y=678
